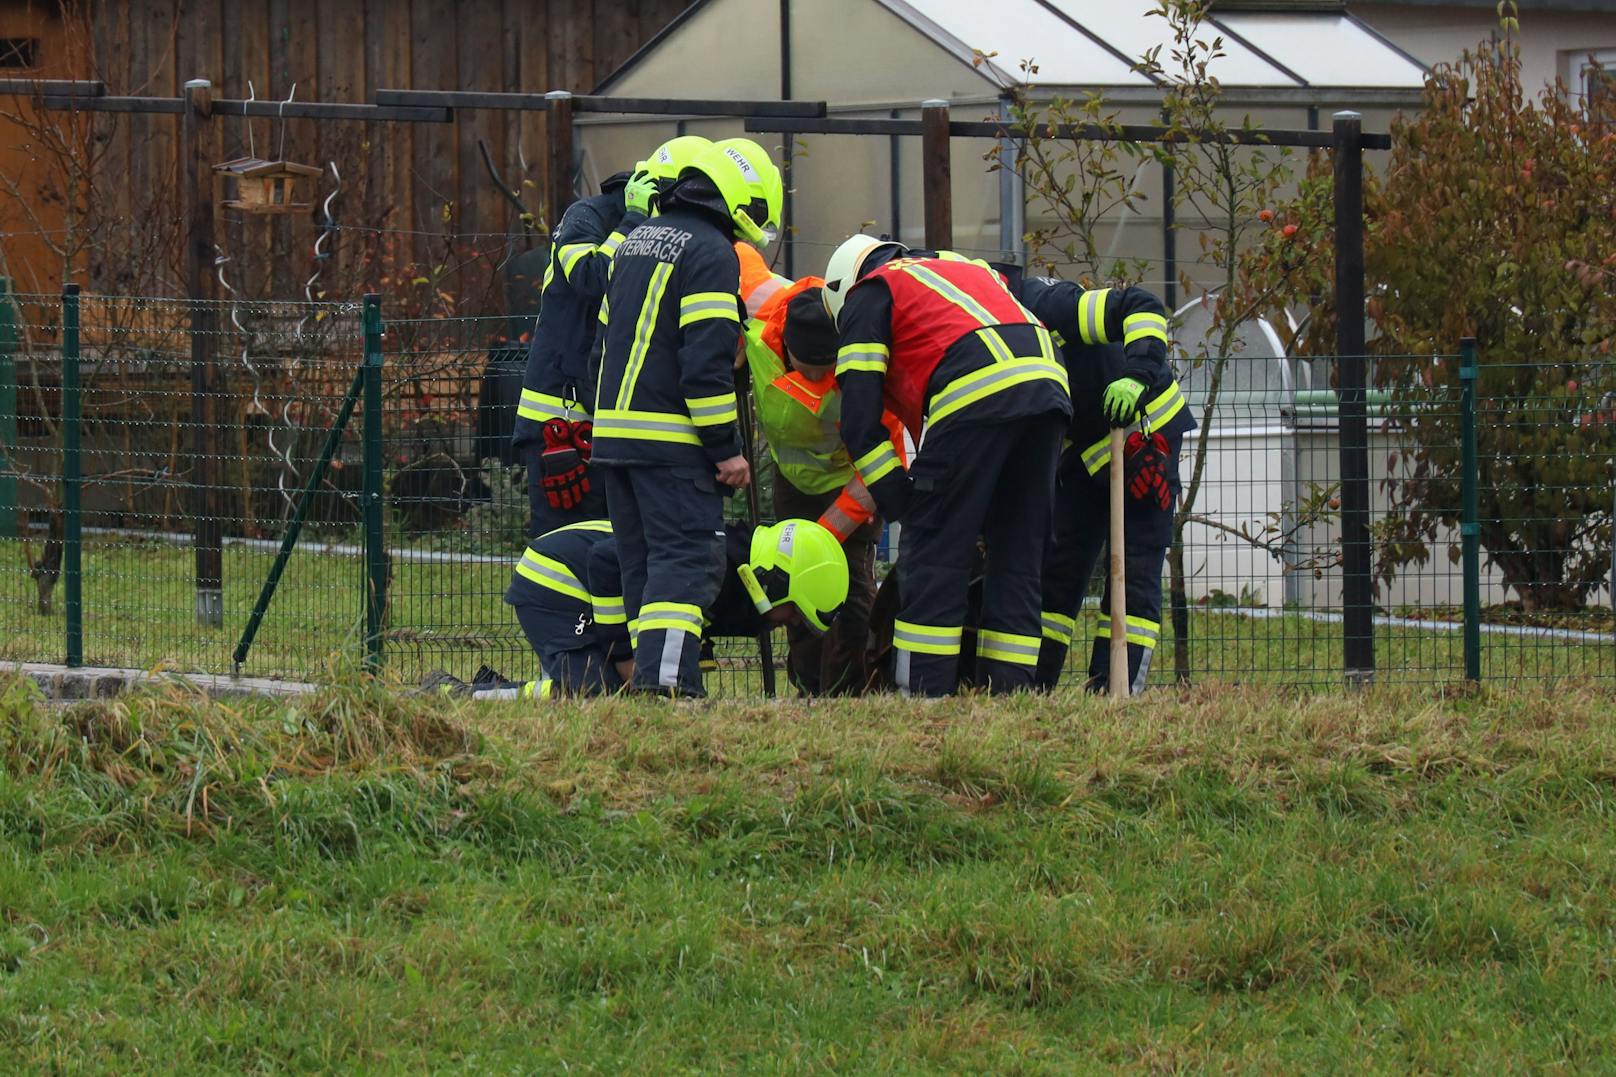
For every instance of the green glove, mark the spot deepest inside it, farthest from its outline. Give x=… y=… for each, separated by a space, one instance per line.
x=1121 y=400
x=638 y=192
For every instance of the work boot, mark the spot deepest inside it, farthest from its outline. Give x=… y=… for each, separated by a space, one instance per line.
x=443 y=683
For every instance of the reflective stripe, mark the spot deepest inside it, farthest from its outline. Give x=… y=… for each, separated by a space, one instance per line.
x=550 y=573
x=633 y=631
x=570 y=255
x=1059 y=627
x=609 y=609
x=1060 y=341
x=1144 y=326
x=602 y=526
x=926 y=639
x=670 y=617
x=644 y=327
x=1157 y=413
x=541 y=406
x=868 y=357
x=876 y=464
x=1141 y=633
x=1091 y=316
x=604 y=308
x=949 y=291
x=762 y=294
x=613 y=241
x=968 y=389
x=1007 y=647
x=996 y=346
x=711 y=410
x=699 y=306
x=646 y=426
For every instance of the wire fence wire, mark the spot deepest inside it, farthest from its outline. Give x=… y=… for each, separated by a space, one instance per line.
x=1254 y=591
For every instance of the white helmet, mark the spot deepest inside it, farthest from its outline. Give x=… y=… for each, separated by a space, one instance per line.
x=842 y=272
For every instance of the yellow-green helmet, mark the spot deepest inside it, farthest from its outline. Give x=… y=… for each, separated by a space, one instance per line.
x=673 y=157
x=800 y=562
x=763 y=179
x=735 y=172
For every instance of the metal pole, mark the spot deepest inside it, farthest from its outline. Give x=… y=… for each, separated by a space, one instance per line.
x=560 y=165
x=743 y=393
x=1169 y=230
x=936 y=174
x=375 y=539
x=1470 y=518
x=8 y=412
x=72 y=478
x=1358 y=596
x=787 y=214
x=895 y=183
x=294 y=528
x=196 y=189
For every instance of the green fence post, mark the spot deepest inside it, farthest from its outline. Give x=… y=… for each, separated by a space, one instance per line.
x=1470 y=518
x=8 y=412
x=72 y=478
x=375 y=537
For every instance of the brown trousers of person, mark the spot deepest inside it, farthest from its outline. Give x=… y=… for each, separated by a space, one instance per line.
x=833 y=663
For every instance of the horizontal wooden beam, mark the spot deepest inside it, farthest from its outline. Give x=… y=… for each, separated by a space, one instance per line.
x=332 y=110
x=170 y=105
x=1088 y=132
x=53 y=87
x=649 y=106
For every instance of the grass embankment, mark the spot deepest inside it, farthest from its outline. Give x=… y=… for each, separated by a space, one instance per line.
x=1214 y=880
x=140 y=612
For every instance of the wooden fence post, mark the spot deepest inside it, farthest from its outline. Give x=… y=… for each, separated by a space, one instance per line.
x=196 y=191
x=936 y=174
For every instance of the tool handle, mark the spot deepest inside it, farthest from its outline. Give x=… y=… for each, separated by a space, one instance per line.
x=1118 y=675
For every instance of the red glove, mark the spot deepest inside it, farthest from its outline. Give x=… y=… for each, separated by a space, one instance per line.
x=563 y=465
x=1146 y=459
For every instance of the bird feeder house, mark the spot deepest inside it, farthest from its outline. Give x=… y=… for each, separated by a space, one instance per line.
x=256 y=186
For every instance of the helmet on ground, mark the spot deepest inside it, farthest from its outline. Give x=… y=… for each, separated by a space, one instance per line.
x=800 y=562
x=846 y=261
x=763 y=180
x=672 y=158
x=733 y=174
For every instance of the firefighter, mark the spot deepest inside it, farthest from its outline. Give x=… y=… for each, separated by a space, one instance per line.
x=665 y=434
x=790 y=351
x=567 y=594
x=1114 y=342
x=553 y=423
x=975 y=380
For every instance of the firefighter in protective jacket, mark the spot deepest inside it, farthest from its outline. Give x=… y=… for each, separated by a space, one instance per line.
x=665 y=434
x=1114 y=342
x=940 y=340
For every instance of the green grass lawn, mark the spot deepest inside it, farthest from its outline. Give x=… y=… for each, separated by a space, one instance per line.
x=139 y=613
x=1211 y=880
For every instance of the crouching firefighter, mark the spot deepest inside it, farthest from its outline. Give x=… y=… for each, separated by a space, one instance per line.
x=790 y=344
x=665 y=436
x=941 y=343
x=1114 y=341
x=567 y=595
x=553 y=431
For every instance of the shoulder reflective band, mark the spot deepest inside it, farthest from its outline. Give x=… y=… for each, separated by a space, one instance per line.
x=761 y=294
x=949 y=291
x=711 y=410
x=571 y=254
x=1007 y=647
x=613 y=241
x=1144 y=326
x=609 y=609
x=876 y=464
x=670 y=617
x=926 y=639
x=541 y=406
x=1058 y=627
x=552 y=574
x=699 y=306
x=754 y=590
x=1158 y=413
x=1091 y=315
x=644 y=327
x=871 y=358
x=646 y=426
x=1141 y=633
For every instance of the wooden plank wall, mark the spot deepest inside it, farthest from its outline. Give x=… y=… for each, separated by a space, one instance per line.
x=413 y=197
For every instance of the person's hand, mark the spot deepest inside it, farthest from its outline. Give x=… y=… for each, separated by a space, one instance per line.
x=638 y=192
x=1121 y=400
x=740 y=352
x=735 y=472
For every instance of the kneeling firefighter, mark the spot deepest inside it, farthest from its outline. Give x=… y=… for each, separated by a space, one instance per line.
x=1114 y=342
x=567 y=593
x=790 y=345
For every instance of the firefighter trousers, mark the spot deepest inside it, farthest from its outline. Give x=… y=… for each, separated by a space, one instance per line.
x=669 y=526
x=995 y=482
x=832 y=663
x=1082 y=528
x=573 y=659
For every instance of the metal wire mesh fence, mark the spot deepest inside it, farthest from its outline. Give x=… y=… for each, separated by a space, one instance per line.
x=157 y=455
